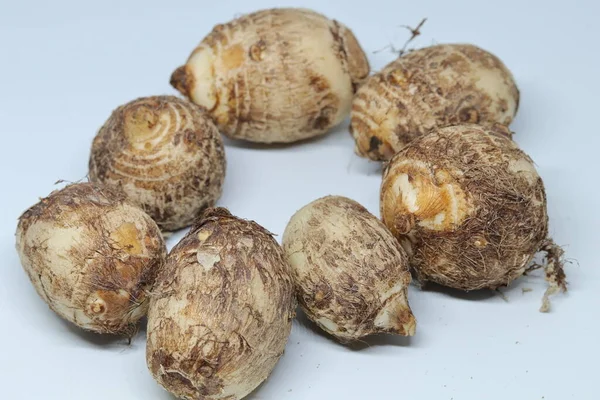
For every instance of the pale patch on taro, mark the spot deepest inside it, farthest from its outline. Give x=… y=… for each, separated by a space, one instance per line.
x=176 y=306
x=208 y=259
x=407 y=192
x=138 y=312
x=328 y=324
x=331 y=69
x=298 y=260
x=407 y=242
x=492 y=82
x=524 y=168
x=393 y=313
x=76 y=314
x=393 y=316
x=60 y=240
x=203 y=234
x=412 y=89
x=59 y=243
x=258 y=290
x=202 y=65
x=434 y=223
x=247 y=242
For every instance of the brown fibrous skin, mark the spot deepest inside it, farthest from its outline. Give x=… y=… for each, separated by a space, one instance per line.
x=469 y=207
x=351 y=274
x=221 y=310
x=92 y=256
x=275 y=76
x=429 y=88
x=166 y=154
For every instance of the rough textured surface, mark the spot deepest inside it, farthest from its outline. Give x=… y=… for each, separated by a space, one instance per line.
x=468 y=206
x=167 y=156
x=351 y=274
x=91 y=256
x=432 y=87
x=278 y=75
x=221 y=311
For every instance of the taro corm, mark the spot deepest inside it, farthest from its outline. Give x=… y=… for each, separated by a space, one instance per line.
x=429 y=88
x=167 y=156
x=470 y=209
x=221 y=310
x=275 y=76
x=92 y=256
x=351 y=274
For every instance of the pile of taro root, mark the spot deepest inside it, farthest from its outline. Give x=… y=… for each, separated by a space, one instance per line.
x=461 y=205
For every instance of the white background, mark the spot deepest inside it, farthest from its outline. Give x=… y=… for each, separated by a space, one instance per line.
x=64 y=65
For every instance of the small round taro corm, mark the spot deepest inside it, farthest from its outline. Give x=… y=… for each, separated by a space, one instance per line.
x=92 y=256
x=167 y=156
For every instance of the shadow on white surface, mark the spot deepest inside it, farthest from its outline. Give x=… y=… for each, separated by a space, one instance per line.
x=532 y=284
x=243 y=144
x=474 y=295
x=107 y=341
x=370 y=341
x=381 y=340
x=363 y=166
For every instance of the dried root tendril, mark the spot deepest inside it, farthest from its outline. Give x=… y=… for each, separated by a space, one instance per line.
x=414 y=32
x=554 y=268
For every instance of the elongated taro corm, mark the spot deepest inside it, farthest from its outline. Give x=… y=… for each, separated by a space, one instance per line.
x=91 y=255
x=221 y=310
x=433 y=87
x=470 y=209
x=351 y=274
x=278 y=75
x=167 y=156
